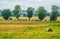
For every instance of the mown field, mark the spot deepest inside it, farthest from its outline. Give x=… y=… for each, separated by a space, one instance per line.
x=29 y=29
x=32 y=19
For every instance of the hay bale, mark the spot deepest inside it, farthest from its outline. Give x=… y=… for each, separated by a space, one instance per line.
x=10 y=18
x=49 y=30
x=45 y=20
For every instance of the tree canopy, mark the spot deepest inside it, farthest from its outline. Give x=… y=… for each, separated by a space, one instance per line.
x=6 y=13
x=41 y=13
x=17 y=11
x=30 y=11
x=54 y=12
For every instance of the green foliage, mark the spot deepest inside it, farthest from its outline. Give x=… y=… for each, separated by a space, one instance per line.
x=16 y=11
x=6 y=13
x=17 y=7
x=41 y=13
x=53 y=15
x=30 y=12
x=55 y=8
x=54 y=12
x=24 y=15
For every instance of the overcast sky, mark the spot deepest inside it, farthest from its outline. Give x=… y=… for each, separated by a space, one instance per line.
x=9 y=4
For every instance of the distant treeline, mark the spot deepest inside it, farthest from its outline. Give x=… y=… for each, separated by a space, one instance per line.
x=24 y=13
x=41 y=12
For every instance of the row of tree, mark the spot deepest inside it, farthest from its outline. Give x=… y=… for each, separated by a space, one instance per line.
x=6 y=13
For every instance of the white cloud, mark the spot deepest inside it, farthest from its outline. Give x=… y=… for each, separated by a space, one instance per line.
x=27 y=3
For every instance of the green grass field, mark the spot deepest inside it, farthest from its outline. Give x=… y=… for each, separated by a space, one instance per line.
x=14 y=31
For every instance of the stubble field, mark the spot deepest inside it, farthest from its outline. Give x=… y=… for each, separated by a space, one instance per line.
x=10 y=29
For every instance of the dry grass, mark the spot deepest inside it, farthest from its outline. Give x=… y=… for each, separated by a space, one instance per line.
x=10 y=29
x=13 y=29
x=36 y=18
x=15 y=32
x=20 y=24
x=32 y=19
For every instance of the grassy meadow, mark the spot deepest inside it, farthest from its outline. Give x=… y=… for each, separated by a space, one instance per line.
x=11 y=29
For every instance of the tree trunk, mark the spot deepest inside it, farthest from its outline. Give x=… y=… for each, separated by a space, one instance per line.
x=29 y=19
x=17 y=18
